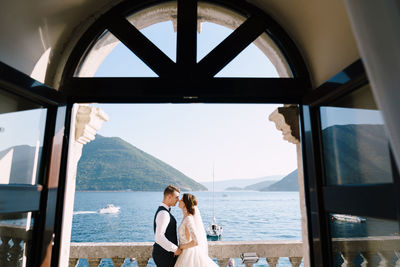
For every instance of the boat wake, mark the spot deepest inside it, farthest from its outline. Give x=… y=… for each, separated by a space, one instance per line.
x=109 y=209
x=84 y=212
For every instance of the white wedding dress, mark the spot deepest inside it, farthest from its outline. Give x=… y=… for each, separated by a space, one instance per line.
x=196 y=256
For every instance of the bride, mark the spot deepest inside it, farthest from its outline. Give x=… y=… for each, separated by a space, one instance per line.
x=192 y=236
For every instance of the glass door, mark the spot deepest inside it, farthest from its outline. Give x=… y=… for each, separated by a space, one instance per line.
x=353 y=195
x=32 y=124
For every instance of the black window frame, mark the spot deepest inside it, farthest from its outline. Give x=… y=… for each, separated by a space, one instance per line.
x=44 y=198
x=321 y=198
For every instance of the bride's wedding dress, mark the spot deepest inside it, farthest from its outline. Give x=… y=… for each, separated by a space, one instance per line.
x=196 y=256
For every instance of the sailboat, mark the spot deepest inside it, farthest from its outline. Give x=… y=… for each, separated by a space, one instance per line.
x=214 y=231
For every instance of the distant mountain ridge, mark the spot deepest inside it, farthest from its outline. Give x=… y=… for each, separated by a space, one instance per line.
x=287 y=183
x=238 y=183
x=356 y=153
x=110 y=163
x=353 y=153
x=259 y=185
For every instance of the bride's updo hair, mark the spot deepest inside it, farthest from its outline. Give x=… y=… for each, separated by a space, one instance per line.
x=190 y=201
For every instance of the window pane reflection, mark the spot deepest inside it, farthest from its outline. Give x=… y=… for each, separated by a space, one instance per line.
x=355 y=145
x=364 y=241
x=21 y=140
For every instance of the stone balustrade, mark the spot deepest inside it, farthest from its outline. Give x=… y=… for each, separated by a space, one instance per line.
x=382 y=251
x=379 y=251
x=14 y=239
x=220 y=250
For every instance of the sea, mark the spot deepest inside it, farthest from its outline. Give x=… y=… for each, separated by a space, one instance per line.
x=244 y=216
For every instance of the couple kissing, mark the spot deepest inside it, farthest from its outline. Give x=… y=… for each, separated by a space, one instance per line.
x=192 y=249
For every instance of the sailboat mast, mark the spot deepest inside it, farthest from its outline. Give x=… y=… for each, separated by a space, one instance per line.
x=213 y=196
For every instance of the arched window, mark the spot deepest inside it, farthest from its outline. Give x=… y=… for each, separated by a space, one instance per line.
x=237 y=36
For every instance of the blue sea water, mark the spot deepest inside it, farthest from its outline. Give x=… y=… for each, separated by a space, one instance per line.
x=243 y=215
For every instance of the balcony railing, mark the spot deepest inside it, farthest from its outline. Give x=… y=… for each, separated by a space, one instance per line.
x=379 y=250
x=14 y=240
x=220 y=250
x=374 y=251
x=382 y=251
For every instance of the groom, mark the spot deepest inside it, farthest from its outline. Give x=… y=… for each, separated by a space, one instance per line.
x=165 y=249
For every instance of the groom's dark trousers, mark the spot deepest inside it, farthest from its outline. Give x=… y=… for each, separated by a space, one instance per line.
x=161 y=257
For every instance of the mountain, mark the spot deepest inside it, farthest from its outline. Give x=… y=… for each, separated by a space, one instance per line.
x=288 y=183
x=260 y=185
x=110 y=163
x=353 y=154
x=241 y=183
x=356 y=154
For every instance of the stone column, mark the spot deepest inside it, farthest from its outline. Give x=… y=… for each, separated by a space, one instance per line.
x=222 y=262
x=85 y=122
x=272 y=261
x=286 y=120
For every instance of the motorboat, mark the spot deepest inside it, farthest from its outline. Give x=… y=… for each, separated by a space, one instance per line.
x=110 y=208
x=348 y=218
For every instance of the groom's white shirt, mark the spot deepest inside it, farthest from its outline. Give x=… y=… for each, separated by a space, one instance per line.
x=162 y=221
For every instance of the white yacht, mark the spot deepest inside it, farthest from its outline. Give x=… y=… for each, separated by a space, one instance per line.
x=110 y=208
x=214 y=231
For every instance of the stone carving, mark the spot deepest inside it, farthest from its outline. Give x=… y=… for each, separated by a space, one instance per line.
x=286 y=120
x=88 y=122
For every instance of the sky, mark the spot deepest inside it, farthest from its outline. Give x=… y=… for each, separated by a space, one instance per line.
x=121 y=62
x=238 y=140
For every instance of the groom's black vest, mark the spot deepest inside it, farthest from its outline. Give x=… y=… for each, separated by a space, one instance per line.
x=158 y=252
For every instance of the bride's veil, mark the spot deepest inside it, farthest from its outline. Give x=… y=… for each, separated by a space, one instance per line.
x=200 y=231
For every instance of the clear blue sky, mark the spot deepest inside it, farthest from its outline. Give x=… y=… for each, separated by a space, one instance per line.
x=121 y=62
x=238 y=139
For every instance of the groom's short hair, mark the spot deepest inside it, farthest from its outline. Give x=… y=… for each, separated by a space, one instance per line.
x=170 y=189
